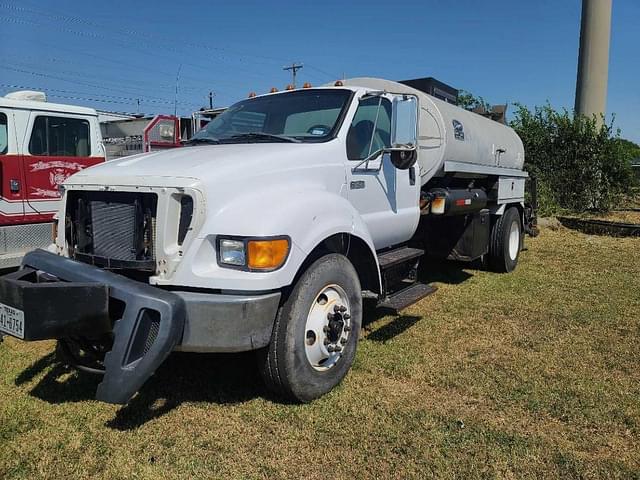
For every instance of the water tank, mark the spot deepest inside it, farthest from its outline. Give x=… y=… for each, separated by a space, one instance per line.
x=452 y=134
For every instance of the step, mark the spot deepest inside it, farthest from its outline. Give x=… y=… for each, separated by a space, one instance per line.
x=407 y=296
x=398 y=256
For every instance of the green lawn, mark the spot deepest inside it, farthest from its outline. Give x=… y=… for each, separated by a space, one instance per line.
x=534 y=374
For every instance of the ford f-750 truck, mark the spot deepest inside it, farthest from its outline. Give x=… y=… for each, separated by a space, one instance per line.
x=268 y=233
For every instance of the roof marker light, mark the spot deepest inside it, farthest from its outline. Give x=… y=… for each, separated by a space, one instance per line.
x=273 y=90
x=252 y=94
x=306 y=85
x=290 y=87
x=338 y=83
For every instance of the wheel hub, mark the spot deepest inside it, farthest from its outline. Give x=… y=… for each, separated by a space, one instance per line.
x=327 y=327
x=336 y=323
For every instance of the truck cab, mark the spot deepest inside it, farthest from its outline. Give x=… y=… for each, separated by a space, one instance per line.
x=41 y=144
x=269 y=232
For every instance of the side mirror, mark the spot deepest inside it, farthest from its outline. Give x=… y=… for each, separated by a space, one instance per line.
x=404 y=131
x=403 y=159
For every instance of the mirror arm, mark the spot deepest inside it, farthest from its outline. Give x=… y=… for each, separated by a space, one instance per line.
x=366 y=160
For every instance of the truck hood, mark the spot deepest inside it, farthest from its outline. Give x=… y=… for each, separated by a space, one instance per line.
x=203 y=163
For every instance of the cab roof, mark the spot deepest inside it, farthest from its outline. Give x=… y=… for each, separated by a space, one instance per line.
x=45 y=106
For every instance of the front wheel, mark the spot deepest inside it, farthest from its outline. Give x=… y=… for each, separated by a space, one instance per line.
x=315 y=334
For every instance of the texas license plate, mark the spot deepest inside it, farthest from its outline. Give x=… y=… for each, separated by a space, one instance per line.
x=11 y=321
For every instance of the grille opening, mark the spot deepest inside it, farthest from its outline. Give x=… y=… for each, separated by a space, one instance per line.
x=146 y=332
x=186 y=215
x=116 y=309
x=113 y=230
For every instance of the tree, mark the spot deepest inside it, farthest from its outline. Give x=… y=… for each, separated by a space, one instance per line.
x=469 y=101
x=580 y=165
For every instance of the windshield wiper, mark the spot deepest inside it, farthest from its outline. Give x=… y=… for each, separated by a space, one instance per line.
x=195 y=140
x=264 y=136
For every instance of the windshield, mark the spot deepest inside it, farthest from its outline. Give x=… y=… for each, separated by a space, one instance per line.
x=298 y=116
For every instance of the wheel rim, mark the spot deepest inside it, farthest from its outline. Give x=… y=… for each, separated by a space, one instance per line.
x=327 y=328
x=514 y=240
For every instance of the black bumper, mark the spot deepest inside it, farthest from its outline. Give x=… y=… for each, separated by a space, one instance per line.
x=73 y=299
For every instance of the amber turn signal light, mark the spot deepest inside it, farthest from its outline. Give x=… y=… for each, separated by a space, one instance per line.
x=267 y=254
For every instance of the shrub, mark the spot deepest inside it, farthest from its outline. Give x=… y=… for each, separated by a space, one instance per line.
x=580 y=164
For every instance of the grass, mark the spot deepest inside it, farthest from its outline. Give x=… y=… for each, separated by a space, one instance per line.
x=534 y=374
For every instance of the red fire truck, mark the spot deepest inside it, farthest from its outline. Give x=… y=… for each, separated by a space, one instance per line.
x=41 y=144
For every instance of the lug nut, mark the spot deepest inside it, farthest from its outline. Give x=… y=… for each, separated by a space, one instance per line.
x=325 y=329
x=330 y=316
x=337 y=348
x=346 y=316
x=326 y=341
x=347 y=328
x=336 y=308
x=330 y=349
x=343 y=308
x=343 y=341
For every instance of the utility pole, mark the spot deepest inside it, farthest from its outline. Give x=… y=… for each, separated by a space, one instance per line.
x=593 y=59
x=211 y=95
x=175 y=99
x=294 y=67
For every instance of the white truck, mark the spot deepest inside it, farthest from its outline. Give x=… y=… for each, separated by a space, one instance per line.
x=268 y=233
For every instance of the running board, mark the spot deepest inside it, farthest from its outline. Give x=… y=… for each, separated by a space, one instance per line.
x=407 y=296
x=398 y=256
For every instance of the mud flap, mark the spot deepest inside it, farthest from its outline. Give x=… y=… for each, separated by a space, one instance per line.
x=149 y=322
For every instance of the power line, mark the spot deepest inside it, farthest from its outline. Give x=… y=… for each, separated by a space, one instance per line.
x=102 y=58
x=134 y=33
x=151 y=49
x=38 y=74
x=145 y=44
x=90 y=96
x=328 y=75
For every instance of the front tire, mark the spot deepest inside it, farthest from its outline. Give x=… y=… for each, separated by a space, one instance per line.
x=315 y=334
x=505 y=241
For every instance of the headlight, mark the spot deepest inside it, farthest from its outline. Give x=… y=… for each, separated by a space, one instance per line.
x=232 y=252
x=253 y=254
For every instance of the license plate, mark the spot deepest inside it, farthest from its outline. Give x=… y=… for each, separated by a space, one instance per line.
x=11 y=321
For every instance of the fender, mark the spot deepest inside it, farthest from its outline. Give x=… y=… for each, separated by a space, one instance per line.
x=308 y=214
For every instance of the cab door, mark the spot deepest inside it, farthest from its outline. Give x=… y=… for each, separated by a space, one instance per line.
x=386 y=198
x=12 y=210
x=58 y=146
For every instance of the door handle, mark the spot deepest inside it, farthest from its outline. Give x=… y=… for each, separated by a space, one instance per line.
x=14 y=185
x=412 y=176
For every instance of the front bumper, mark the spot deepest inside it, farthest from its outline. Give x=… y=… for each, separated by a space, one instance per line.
x=63 y=298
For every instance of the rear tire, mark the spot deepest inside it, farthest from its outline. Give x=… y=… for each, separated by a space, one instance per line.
x=322 y=312
x=505 y=240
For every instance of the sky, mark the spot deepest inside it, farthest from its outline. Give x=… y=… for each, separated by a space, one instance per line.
x=129 y=56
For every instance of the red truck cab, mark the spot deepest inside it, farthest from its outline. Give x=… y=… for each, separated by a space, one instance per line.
x=41 y=144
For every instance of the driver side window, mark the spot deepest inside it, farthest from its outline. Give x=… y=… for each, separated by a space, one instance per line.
x=361 y=138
